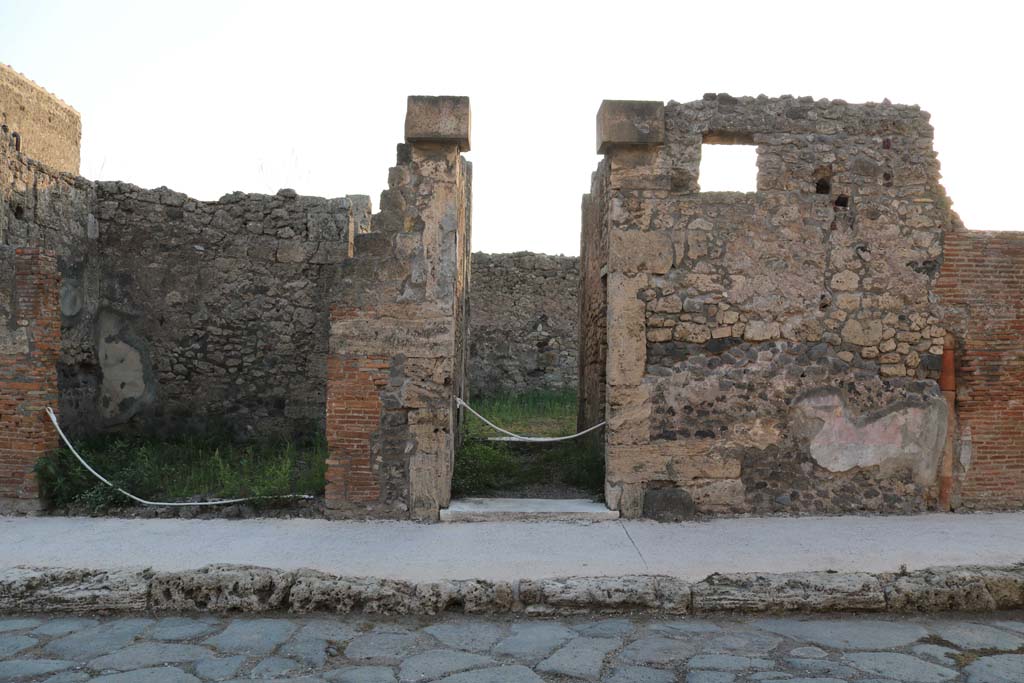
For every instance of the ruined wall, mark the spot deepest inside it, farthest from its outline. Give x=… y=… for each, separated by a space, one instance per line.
x=29 y=344
x=777 y=350
x=398 y=329
x=42 y=126
x=593 y=303
x=981 y=287
x=523 y=328
x=180 y=315
x=205 y=315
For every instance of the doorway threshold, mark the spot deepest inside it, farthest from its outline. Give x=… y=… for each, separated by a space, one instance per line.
x=526 y=509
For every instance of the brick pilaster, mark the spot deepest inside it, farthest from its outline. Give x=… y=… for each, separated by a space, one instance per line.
x=28 y=377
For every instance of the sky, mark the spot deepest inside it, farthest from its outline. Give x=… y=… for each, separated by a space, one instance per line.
x=221 y=95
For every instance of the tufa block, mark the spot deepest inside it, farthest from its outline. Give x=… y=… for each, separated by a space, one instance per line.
x=630 y=122
x=438 y=119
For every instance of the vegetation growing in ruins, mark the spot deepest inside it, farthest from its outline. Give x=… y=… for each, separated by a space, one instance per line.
x=560 y=469
x=189 y=469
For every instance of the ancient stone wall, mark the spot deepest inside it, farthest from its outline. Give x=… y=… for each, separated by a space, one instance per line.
x=776 y=350
x=398 y=328
x=205 y=315
x=185 y=316
x=981 y=287
x=593 y=303
x=38 y=123
x=29 y=344
x=523 y=328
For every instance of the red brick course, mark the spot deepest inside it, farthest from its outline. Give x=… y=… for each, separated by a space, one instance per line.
x=354 y=411
x=28 y=381
x=981 y=285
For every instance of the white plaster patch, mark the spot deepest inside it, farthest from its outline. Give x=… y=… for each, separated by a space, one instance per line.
x=904 y=438
x=13 y=341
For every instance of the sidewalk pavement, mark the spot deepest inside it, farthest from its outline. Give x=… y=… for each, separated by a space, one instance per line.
x=511 y=551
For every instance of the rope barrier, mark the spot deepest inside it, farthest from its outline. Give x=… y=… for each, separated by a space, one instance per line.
x=530 y=439
x=228 y=501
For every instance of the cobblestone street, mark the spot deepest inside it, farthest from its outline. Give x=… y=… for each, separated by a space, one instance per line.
x=460 y=649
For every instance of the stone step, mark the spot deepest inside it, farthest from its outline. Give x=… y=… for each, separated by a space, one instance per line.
x=519 y=509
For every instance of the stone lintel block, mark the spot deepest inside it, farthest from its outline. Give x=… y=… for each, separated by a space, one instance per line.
x=630 y=122
x=443 y=119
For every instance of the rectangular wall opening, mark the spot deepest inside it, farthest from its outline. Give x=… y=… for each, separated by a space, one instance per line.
x=728 y=163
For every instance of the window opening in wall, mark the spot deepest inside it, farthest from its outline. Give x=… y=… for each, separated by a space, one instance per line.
x=728 y=164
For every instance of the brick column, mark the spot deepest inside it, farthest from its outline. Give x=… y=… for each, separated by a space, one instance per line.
x=397 y=338
x=29 y=348
x=981 y=286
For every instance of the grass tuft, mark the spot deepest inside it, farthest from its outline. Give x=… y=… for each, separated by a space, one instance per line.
x=182 y=470
x=568 y=468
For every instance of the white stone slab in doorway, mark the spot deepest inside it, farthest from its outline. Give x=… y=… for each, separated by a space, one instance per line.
x=514 y=509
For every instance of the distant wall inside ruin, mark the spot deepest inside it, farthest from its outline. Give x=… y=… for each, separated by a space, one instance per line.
x=523 y=323
x=45 y=128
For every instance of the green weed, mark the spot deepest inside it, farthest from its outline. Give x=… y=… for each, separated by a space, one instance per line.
x=485 y=467
x=185 y=469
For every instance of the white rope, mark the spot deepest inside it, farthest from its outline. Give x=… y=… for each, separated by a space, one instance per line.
x=53 y=419
x=517 y=437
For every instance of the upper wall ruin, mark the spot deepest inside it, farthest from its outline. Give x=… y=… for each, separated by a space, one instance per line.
x=778 y=350
x=38 y=123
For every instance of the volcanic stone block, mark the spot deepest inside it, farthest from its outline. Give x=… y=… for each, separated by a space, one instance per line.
x=438 y=119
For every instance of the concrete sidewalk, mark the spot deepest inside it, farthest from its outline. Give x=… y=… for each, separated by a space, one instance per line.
x=510 y=551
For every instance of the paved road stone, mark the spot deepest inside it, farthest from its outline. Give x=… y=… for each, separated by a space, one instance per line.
x=18 y=624
x=820 y=667
x=475 y=636
x=18 y=669
x=144 y=655
x=504 y=649
x=729 y=662
x=502 y=674
x=11 y=645
x=996 y=669
x=580 y=658
x=900 y=666
x=640 y=674
x=968 y=636
x=361 y=674
x=273 y=667
x=710 y=677
x=657 y=650
x=936 y=653
x=219 y=668
x=433 y=664
x=684 y=627
x=69 y=677
x=853 y=634
x=1017 y=626
x=606 y=628
x=96 y=640
x=167 y=674
x=746 y=642
x=252 y=636
x=180 y=628
x=531 y=641
x=388 y=647
x=62 y=627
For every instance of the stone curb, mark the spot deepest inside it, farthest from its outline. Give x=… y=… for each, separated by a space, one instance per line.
x=235 y=588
